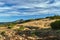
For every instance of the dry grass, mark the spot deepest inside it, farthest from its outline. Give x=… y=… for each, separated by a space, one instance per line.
x=43 y=23
x=11 y=34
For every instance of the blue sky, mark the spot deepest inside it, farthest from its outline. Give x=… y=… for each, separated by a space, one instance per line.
x=11 y=10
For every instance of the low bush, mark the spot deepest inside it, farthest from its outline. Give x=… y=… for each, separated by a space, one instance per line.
x=55 y=25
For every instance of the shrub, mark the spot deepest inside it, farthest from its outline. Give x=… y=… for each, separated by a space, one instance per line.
x=21 y=28
x=29 y=32
x=55 y=25
x=9 y=27
x=32 y=27
x=54 y=17
x=2 y=33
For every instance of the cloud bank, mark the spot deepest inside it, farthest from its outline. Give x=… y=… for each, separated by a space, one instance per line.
x=29 y=7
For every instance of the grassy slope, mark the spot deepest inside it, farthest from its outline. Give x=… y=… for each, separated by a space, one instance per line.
x=41 y=23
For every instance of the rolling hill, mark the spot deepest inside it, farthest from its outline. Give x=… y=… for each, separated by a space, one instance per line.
x=32 y=29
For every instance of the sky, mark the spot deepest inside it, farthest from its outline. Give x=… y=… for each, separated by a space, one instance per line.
x=11 y=10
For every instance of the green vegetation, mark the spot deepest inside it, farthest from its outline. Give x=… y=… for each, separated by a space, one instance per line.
x=28 y=32
x=32 y=27
x=21 y=28
x=9 y=25
x=54 y=17
x=2 y=33
x=55 y=25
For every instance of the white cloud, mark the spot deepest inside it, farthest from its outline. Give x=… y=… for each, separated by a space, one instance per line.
x=1 y=3
x=29 y=7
